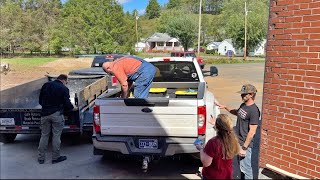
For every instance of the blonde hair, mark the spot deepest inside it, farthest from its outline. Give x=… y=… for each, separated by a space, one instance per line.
x=230 y=145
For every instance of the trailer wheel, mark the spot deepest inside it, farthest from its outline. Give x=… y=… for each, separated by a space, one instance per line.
x=8 y=138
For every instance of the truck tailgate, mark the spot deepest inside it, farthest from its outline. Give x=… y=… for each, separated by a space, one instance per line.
x=131 y=117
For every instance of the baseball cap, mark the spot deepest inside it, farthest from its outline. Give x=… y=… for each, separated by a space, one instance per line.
x=248 y=88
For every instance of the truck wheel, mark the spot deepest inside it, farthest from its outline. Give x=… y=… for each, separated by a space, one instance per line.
x=87 y=135
x=8 y=138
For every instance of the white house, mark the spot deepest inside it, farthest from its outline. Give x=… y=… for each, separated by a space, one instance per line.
x=162 y=42
x=213 y=46
x=225 y=46
x=260 y=49
x=140 y=46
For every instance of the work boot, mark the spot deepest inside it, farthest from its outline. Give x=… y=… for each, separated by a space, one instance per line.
x=61 y=158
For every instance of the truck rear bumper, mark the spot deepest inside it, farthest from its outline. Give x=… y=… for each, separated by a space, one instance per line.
x=168 y=146
x=33 y=130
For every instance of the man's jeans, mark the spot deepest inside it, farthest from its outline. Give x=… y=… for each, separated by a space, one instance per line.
x=245 y=164
x=54 y=122
x=142 y=78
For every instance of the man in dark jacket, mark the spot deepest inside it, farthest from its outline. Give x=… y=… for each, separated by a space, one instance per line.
x=54 y=99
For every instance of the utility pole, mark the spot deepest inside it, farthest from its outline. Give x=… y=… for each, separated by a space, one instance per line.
x=245 y=31
x=137 y=17
x=199 y=32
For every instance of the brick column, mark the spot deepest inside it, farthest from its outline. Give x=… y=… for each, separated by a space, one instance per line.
x=290 y=137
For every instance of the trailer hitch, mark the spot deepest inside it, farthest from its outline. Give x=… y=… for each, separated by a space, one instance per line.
x=145 y=163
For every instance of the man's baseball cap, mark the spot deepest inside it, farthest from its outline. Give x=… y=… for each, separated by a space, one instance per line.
x=248 y=88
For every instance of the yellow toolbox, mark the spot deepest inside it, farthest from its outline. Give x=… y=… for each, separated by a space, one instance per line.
x=186 y=92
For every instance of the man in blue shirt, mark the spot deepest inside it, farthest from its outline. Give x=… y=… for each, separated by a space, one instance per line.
x=54 y=99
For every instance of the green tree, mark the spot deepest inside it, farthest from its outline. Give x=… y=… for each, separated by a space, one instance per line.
x=213 y=6
x=153 y=9
x=11 y=31
x=97 y=26
x=40 y=17
x=183 y=27
x=257 y=20
x=174 y=4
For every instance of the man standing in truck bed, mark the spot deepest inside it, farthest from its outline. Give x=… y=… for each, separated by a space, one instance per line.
x=54 y=99
x=131 y=69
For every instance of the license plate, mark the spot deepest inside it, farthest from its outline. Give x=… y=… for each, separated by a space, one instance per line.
x=148 y=143
x=7 y=121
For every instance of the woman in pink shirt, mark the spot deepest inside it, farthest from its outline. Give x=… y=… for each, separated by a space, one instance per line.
x=131 y=69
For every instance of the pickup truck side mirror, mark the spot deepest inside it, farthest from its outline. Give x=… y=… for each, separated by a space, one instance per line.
x=213 y=71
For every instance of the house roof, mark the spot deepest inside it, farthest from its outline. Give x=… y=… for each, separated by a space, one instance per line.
x=159 y=37
x=215 y=43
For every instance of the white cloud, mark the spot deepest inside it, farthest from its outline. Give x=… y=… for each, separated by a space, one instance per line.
x=141 y=11
x=123 y=1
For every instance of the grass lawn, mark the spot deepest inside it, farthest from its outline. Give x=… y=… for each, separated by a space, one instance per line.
x=28 y=62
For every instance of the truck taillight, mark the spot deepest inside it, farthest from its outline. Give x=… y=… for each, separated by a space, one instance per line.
x=96 y=118
x=202 y=113
x=166 y=59
x=114 y=81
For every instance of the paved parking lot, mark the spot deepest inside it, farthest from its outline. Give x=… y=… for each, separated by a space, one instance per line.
x=19 y=160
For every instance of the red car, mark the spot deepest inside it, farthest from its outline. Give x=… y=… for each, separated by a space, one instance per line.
x=189 y=54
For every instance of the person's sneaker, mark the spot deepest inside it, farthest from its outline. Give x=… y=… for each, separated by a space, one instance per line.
x=40 y=161
x=61 y=158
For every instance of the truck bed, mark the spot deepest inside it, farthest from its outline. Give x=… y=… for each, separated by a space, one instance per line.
x=172 y=111
x=20 y=111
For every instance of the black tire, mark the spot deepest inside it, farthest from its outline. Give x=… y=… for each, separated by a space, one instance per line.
x=213 y=71
x=87 y=135
x=8 y=138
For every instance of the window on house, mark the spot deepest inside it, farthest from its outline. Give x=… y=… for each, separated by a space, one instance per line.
x=169 y=44
x=225 y=48
x=160 y=43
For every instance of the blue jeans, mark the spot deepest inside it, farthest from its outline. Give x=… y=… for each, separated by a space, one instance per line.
x=245 y=164
x=142 y=78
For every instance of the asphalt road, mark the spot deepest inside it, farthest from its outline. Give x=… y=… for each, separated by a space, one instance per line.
x=19 y=159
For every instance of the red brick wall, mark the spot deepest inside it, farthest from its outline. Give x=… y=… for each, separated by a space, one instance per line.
x=290 y=137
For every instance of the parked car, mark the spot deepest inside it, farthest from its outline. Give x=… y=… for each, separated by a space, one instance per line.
x=189 y=54
x=202 y=49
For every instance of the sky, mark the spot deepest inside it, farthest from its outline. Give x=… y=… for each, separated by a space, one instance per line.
x=140 y=5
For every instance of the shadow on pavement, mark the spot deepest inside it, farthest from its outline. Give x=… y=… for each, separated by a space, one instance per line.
x=162 y=168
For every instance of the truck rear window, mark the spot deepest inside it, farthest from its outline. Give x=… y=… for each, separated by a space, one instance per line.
x=99 y=60
x=175 y=71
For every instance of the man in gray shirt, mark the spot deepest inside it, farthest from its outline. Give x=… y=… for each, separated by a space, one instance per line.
x=247 y=122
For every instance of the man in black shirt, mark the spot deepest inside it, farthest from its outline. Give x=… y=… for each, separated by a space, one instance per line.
x=247 y=122
x=54 y=99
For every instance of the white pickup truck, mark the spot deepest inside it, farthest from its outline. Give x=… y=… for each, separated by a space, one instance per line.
x=166 y=123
